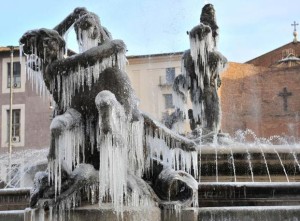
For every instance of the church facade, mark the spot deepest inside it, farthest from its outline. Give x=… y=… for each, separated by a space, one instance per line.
x=263 y=94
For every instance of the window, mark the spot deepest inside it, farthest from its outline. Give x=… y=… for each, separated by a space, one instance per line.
x=168 y=101
x=170 y=75
x=19 y=75
x=16 y=75
x=16 y=125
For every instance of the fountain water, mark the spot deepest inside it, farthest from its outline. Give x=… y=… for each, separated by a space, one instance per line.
x=115 y=162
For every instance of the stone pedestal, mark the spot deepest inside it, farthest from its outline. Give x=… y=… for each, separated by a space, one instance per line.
x=93 y=212
x=12 y=215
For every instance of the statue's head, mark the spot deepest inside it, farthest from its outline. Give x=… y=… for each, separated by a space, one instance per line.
x=208 y=17
x=88 y=31
x=52 y=42
x=208 y=13
x=90 y=23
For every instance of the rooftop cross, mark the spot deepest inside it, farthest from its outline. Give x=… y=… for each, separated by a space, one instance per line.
x=285 y=94
x=295 y=25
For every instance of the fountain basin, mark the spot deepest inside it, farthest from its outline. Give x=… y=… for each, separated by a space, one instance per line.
x=14 y=199
x=249 y=194
x=249 y=163
x=252 y=213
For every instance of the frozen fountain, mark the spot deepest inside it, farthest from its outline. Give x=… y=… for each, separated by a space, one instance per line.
x=108 y=160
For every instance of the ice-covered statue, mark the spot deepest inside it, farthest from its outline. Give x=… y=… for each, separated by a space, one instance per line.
x=102 y=147
x=201 y=66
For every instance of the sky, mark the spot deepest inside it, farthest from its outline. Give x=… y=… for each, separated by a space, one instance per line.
x=248 y=28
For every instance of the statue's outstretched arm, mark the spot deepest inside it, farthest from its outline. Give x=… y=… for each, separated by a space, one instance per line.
x=177 y=140
x=87 y=58
x=36 y=38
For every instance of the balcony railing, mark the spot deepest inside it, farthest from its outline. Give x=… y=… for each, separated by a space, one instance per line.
x=164 y=83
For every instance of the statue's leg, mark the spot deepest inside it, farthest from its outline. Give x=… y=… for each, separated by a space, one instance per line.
x=140 y=186
x=40 y=184
x=178 y=186
x=110 y=111
x=83 y=175
x=70 y=119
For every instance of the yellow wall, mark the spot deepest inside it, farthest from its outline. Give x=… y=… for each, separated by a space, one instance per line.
x=145 y=73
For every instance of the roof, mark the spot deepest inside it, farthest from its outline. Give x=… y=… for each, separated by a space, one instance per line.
x=16 y=48
x=6 y=49
x=260 y=58
x=155 y=55
x=289 y=61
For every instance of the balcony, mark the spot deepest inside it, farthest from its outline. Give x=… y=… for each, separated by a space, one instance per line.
x=164 y=83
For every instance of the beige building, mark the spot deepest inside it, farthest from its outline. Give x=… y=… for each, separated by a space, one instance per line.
x=152 y=77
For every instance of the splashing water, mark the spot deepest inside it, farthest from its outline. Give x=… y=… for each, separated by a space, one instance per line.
x=266 y=164
x=216 y=162
x=233 y=164
x=287 y=178
x=19 y=175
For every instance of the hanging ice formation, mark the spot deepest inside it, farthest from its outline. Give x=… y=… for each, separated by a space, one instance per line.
x=180 y=88
x=100 y=142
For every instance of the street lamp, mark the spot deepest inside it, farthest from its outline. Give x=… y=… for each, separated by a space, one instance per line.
x=10 y=105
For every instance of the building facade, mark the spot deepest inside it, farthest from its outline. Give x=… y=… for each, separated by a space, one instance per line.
x=152 y=78
x=263 y=94
x=30 y=112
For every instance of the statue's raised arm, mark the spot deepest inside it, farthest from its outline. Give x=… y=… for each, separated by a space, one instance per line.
x=64 y=26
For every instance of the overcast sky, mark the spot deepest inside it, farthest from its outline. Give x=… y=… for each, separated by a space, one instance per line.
x=248 y=28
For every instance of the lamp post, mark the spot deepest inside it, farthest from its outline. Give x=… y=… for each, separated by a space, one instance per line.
x=10 y=106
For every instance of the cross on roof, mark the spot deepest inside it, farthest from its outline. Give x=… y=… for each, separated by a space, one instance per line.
x=295 y=25
x=285 y=94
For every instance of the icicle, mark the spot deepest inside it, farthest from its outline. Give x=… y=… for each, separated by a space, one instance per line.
x=34 y=67
x=174 y=158
x=21 y=46
x=91 y=132
x=200 y=48
x=85 y=40
x=69 y=147
x=50 y=213
x=113 y=150
x=112 y=171
x=66 y=38
x=136 y=148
